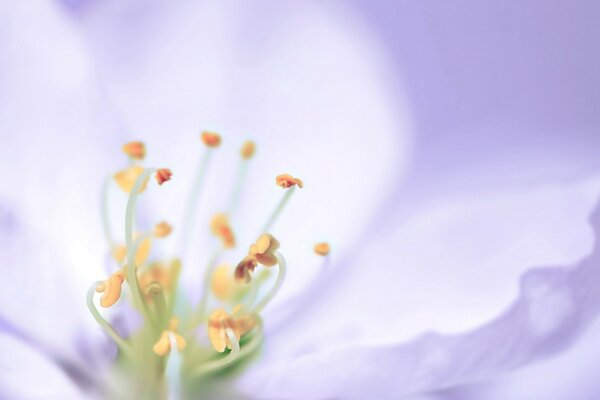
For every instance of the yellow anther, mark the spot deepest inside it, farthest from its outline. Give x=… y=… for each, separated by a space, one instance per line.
x=223 y=284
x=218 y=323
x=221 y=228
x=158 y=272
x=120 y=252
x=262 y=252
x=322 y=249
x=162 y=229
x=211 y=139
x=163 y=175
x=111 y=289
x=163 y=346
x=126 y=178
x=287 y=181
x=135 y=150
x=248 y=150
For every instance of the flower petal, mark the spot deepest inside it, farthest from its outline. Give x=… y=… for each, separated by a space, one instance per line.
x=328 y=120
x=448 y=269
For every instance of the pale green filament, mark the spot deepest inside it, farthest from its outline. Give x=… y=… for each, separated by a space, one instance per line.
x=155 y=291
x=252 y=345
x=239 y=185
x=284 y=200
x=174 y=370
x=281 y=265
x=105 y=218
x=221 y=363
x=190 y=210
x=108 y=328
x=201 y=308
x=131 y=249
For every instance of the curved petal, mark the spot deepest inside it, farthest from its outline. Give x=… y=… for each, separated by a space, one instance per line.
x=174 y=69
x=448 y=269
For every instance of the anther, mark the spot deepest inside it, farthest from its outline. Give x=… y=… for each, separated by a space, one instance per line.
x=287 y=181
x=211 y=139
x=221 y=228
x=220 y=321
x=163 y=175
x=111 y=289
x=135 y=150
x=322 y=248
x=162 y=229
x=163 y=345
x=248 y=150
x=222 y=283
x=262 y=252
x=126 y=178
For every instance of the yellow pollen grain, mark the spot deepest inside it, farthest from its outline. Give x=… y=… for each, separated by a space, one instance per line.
x=248 y=150
x=162 y=229
x=126 y=178
x=287 y=181
x=135 y=150
x=163 y=175
x=211 y=139
x=322 y=248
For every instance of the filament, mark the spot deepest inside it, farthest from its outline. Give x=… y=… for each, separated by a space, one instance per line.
x=281 y=267
x=284 y=200
x=105 y=218
x=108 y=328
x=216 y=365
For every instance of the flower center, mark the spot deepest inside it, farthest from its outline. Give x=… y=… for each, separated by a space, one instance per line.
x=180 y=344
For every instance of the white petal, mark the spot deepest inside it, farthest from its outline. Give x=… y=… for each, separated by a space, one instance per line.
x=307 y=82
x=27 y=374
x=449 y=269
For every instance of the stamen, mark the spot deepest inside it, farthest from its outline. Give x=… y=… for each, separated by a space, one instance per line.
x=162 y=229
x=165 y=344
x=111 y=289
x=280 y=278
x=108 y=328
x=286 y=182
x=135 y=150
x=132 y=250
x=221 y=363
x=264 y=250
x=105 y=218
x=248 y=150
x=220 y=227
x=322 y=249
x=211 y=139
x=163 y=175
x=126 y=178
x=222 y=285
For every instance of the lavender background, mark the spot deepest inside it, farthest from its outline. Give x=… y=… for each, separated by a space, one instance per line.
x=500 y=95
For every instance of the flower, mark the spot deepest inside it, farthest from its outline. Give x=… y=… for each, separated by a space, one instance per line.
x=405 y=303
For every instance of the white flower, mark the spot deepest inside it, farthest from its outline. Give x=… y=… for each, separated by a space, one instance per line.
x=417 y=297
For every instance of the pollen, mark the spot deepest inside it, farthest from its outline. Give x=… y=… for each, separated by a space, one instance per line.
x=135 y=150
x=287 y=181
x=126 y=178
x=163 y=346
x=322 y=248
x=211 y=139
x=248 y=150
x=162 y=229
x=111 y=289
x=219 y=321
x=243 y=271
x=163 y=175
x=220 y=227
